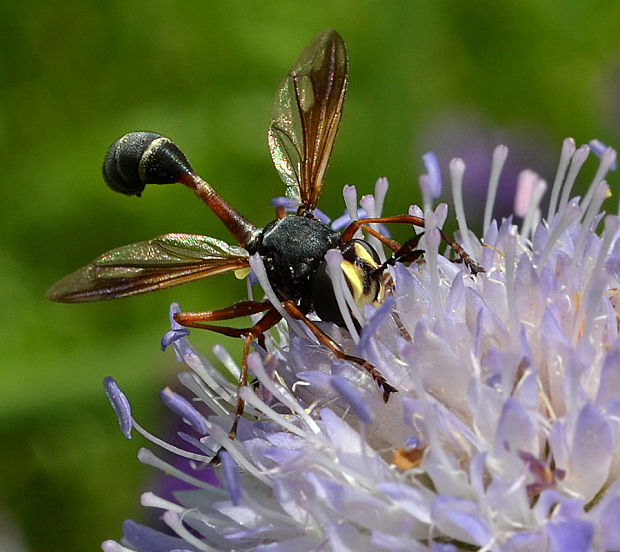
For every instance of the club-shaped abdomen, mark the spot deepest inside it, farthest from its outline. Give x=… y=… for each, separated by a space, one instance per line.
x=141 y=158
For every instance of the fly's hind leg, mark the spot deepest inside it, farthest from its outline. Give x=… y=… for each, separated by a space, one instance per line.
x=269 y=320
x=239 y=309
x=335 y=348
x=243 y=308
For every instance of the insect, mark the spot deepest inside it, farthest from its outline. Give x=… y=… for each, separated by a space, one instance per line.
x=306 y=117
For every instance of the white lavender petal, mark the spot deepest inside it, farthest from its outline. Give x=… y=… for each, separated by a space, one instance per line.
x=503 y=435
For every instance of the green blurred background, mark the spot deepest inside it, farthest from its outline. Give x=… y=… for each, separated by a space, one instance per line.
x=75 y=75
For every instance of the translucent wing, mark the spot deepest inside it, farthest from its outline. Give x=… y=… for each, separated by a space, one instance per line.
x=306 y=117
x=164 y=261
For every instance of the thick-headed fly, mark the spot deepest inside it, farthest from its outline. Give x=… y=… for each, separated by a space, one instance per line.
x=306 y=116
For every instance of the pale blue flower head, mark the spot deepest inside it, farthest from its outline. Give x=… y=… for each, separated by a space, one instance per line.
x=503 y=435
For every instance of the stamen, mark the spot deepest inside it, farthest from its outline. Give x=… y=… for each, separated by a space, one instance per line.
x=381 y=188
x=372 y=326
x=434 y=173
x=228 y=362
x=577 y=161
x=175 y=523
x=183 y=408
x=608 y=158
x=510 y=263
x=596 y=213
x=500 y=153
x=431 y=241
x=334 y=260
x=231 y=477
x=599 y=149
x=441 y=215
x=590 y=307
x=175 y=308
x=175 y=333
x=120 y=404
x=532 y=215
x=571 y=213
x=210 y=402
x=594 y=288
x=212 y=493
x=368 y=203
x=525 y=190
x=113 y=546
x=321 y=216
x=147 y=457
x=151 y=500
x=349 y=193
x=201 y=444
x=208 y=381
x=256 y=264
x=568 y=149
x=415 y=211
x=253 y=400
x=288 y=203
x=344 y=220
x=237 y=452
x=171 y=336
x=353 y=398
x=602 y=193
x=457 y=170
x=427 y=195
x=167 y=446
x=256 y=365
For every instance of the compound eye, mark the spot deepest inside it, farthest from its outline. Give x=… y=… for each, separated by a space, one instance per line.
x=141 y=158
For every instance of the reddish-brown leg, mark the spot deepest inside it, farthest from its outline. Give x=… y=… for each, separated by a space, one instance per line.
x=239 y=309
x=407 y=253
x=355 y=225
x=242 y=308
x=335 y=348
x=280 y=212
x=269 y=320
x=389 y=242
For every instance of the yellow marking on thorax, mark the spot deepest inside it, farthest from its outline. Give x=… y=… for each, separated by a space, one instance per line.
x=355 y=281
x=363 y=254
x=355 y=277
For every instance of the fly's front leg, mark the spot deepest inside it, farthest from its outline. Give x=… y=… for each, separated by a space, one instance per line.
x=355 y=225
x=349 y=232
x=407 y=253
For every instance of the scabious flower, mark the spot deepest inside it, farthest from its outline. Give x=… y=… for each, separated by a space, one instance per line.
x=503 y=435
